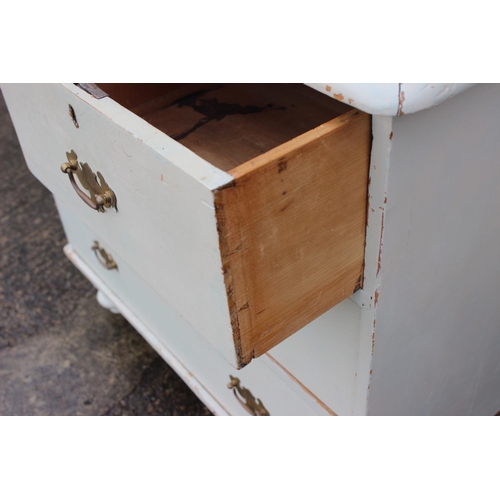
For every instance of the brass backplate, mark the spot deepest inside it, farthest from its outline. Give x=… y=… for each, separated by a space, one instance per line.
x=105 y=259
x=101 y=195
x=246 y=399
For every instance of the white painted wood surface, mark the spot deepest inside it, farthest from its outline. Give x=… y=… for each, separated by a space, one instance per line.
x=437 y=335
x=414 y=97
x=377 y=203
x=422 y=337
x=392 y=99
x=165 y=227
x=373 y=98
x=200 y=366
x=324 y=356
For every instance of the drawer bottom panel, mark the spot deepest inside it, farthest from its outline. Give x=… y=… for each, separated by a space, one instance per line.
x=201 y=367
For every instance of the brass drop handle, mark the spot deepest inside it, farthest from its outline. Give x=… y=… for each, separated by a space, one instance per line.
x=101 y=196
x=247 y=400
x=69 y=170
x=103 y=257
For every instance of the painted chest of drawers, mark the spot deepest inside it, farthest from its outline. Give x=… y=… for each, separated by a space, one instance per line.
x=286 y=252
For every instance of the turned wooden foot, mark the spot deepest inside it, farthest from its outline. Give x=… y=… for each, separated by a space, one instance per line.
x=105 y=302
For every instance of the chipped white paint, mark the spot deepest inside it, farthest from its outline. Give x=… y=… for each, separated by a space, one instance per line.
x=389 y=99
x=419 y=96
x=374 y=98
x=437 y=335
x=377 y=202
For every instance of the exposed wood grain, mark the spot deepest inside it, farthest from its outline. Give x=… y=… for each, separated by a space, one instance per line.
x=292 y=229
x=229 y=124
x=174 y=94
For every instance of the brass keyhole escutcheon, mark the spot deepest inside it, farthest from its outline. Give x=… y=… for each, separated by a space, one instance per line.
x=101 y=195
x=103 y=257
x=72 y=114
x=246 y=399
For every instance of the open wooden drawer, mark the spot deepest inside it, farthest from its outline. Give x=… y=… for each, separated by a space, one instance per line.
x=243 y=206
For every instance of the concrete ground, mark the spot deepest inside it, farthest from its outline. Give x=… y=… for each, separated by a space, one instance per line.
x=60 y=352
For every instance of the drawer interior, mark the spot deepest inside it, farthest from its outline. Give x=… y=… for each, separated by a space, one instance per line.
x=228 y=124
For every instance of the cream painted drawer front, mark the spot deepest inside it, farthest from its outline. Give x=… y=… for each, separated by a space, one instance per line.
x=207 y=373
x=165 y=224
x=246 y=257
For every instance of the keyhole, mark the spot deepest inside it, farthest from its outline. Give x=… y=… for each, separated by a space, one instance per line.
x=73 y=116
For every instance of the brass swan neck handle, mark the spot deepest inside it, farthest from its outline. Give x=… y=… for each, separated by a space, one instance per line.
x=101 y=195
x=103 y=257
x=246 y=399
